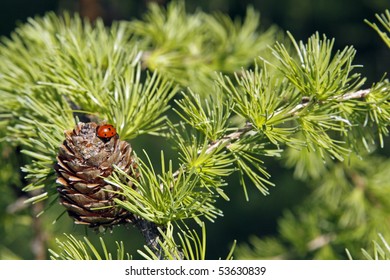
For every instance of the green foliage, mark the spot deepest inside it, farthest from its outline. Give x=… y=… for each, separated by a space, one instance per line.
x=164 y=198
x=213 y=153
x=384 y=19
x=318 y=73
x=210 y=166
x=188 y=245
x=14 y=206
x=137 y=107
x=209 y=115
x=356 y=209
x=82 y=68
x=306 y=106
x=322 y=81
x=74 y=249
x=190 y=48
x=379 y=251
x=262 y=101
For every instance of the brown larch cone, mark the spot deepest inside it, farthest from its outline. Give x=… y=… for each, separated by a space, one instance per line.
x=85 y=159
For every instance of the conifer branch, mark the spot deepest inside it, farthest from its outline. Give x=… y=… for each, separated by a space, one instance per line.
x=384 y=19
x=222 y=142
x=355 y=95
x=248 y=128
x=239 y=133
x=228 y=139
x=74 y=249
x=345 y=97
x=56 y=70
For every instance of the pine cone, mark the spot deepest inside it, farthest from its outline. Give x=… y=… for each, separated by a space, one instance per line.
x=84 y=160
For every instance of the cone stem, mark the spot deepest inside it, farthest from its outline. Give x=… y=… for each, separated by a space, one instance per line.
x=152 y=235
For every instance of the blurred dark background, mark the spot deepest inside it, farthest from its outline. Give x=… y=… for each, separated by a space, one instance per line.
x=339 y=19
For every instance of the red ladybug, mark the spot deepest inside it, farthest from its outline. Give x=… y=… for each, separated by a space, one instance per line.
x=105 y=131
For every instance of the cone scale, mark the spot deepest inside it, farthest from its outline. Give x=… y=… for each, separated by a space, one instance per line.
x=84 y=160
